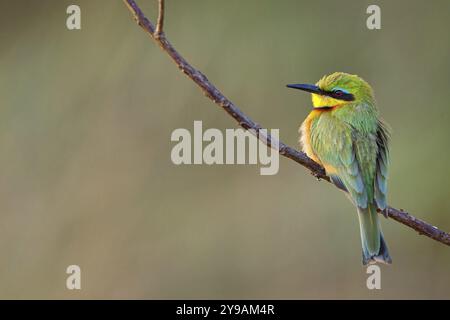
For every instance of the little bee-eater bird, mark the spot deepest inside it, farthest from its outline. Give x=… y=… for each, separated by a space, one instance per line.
x=345 y=135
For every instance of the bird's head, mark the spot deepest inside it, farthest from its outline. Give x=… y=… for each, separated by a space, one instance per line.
x=337 y=89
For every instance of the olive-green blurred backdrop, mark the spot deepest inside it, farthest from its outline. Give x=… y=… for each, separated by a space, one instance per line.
x=86 y=176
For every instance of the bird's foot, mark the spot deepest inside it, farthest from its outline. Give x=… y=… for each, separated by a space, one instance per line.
x=384 y=212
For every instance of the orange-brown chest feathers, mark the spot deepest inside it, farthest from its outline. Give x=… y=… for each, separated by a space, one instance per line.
x=305 y=134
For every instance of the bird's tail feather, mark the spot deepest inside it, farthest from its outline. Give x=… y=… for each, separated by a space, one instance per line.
x=374 y=247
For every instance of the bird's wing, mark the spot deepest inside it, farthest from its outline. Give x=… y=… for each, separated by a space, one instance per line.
x=343 y=154
x=382 y=164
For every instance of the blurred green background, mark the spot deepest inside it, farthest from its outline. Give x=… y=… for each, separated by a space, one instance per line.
x=86 y=175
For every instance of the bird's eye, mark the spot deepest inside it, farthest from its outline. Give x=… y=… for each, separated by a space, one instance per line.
x=338 y=93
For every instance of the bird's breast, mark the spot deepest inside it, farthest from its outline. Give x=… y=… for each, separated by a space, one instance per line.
x=305 y=134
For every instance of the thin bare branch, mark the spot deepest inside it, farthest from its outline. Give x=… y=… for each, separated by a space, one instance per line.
x=245 y=122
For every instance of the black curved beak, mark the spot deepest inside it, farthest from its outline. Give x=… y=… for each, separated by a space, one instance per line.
x=306 y=87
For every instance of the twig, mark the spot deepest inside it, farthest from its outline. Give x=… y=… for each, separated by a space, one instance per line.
x=160 y=21
x=245 y=122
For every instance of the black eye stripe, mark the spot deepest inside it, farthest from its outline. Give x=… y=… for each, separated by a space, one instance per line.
x=340 y=95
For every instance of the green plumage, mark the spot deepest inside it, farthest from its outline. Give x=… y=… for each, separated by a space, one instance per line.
x=350 y=140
